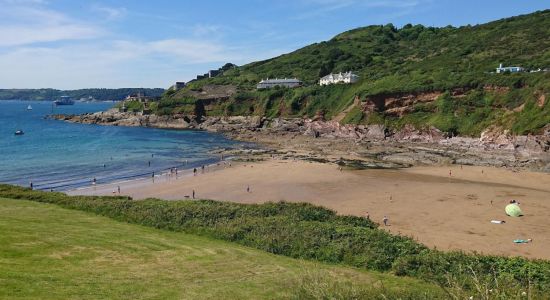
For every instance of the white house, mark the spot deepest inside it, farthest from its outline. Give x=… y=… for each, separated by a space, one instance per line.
x=348 y=77
x=502 y=69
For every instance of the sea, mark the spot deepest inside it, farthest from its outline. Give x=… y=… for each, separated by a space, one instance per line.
x=60 y=156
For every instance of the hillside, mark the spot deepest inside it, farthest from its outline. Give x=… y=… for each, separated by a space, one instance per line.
x=424 y=76
x=97 y=94
x=55 y=253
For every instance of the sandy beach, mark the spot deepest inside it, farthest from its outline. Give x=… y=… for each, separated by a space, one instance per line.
x=443 y=207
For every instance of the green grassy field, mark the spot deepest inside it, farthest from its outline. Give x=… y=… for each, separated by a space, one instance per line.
x=47 y=252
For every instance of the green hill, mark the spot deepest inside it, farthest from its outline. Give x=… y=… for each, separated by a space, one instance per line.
x=456 y=63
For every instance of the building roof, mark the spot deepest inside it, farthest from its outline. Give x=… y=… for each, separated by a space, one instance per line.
x=286 y=80
x=344 y=75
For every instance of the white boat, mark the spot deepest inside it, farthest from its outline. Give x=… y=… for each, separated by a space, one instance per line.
x=29 y=107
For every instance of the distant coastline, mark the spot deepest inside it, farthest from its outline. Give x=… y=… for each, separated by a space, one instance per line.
x=98 y=94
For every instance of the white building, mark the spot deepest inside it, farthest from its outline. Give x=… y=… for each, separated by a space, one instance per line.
x=348 y=77
x=502 y=69
x=270 y=83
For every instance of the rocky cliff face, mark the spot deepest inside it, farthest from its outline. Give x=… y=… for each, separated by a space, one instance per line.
x=491 y=139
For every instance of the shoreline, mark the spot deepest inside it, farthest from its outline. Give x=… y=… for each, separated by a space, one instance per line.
x=446 y=212
x=406 y=146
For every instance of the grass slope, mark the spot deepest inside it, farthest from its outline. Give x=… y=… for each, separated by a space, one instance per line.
x=412 y=59
x=55 y=253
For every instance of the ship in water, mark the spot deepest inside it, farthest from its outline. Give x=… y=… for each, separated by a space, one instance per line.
x=64 y=100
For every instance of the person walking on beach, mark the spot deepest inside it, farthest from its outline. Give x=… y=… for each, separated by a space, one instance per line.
x=193 y=194
x=194 y=171
x=94 y=181
x=202 y=168
x=367 y=216
x=149 y=163
x=31 y=185
x=118 y=188
x=385 y=220
x=248 y=189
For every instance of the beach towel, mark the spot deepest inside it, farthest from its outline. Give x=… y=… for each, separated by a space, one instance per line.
x=497 y=222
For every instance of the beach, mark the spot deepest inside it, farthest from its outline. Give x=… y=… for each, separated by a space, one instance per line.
x=446 y=207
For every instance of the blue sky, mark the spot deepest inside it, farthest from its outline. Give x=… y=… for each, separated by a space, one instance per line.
x=71 y=44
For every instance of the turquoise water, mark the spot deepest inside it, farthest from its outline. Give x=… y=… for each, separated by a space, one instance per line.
x=59 y=155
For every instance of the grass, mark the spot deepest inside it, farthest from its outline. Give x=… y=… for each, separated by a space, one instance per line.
x=55 y=253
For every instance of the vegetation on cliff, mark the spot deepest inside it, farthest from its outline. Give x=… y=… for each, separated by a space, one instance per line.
x=458 y=63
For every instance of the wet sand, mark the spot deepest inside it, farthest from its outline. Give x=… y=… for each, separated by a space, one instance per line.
x=442 y=210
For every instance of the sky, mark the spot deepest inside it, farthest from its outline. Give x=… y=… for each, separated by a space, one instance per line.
x=68 y=44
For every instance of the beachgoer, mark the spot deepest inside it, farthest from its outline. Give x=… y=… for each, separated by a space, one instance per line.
x=202 y=168
x=149 y=163
x=491 y=202
x=450 y=173
x=118 y=188
x=94 y=181
x=31 y=185
x=152 y=155
x=248 y=189
x=367 y=216
x=194 y=171
x=385 y=220
x=104 y=166
x=193 y=194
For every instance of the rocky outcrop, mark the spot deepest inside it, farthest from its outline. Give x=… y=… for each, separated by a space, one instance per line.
x=495 y=147
x=115 y=118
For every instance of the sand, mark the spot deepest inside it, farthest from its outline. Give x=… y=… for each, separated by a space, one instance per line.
x=447 y=211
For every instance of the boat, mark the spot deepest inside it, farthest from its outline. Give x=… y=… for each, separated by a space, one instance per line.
x=29 y=107
x=64 y=100
x=19 y=132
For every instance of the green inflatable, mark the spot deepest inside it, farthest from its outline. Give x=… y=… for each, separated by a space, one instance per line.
x=513 y=210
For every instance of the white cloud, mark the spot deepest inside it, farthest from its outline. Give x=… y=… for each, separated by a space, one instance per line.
x=111 y=13
x=202 y=30
x=24 y=22
x=112 y=64
x=323 y=7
